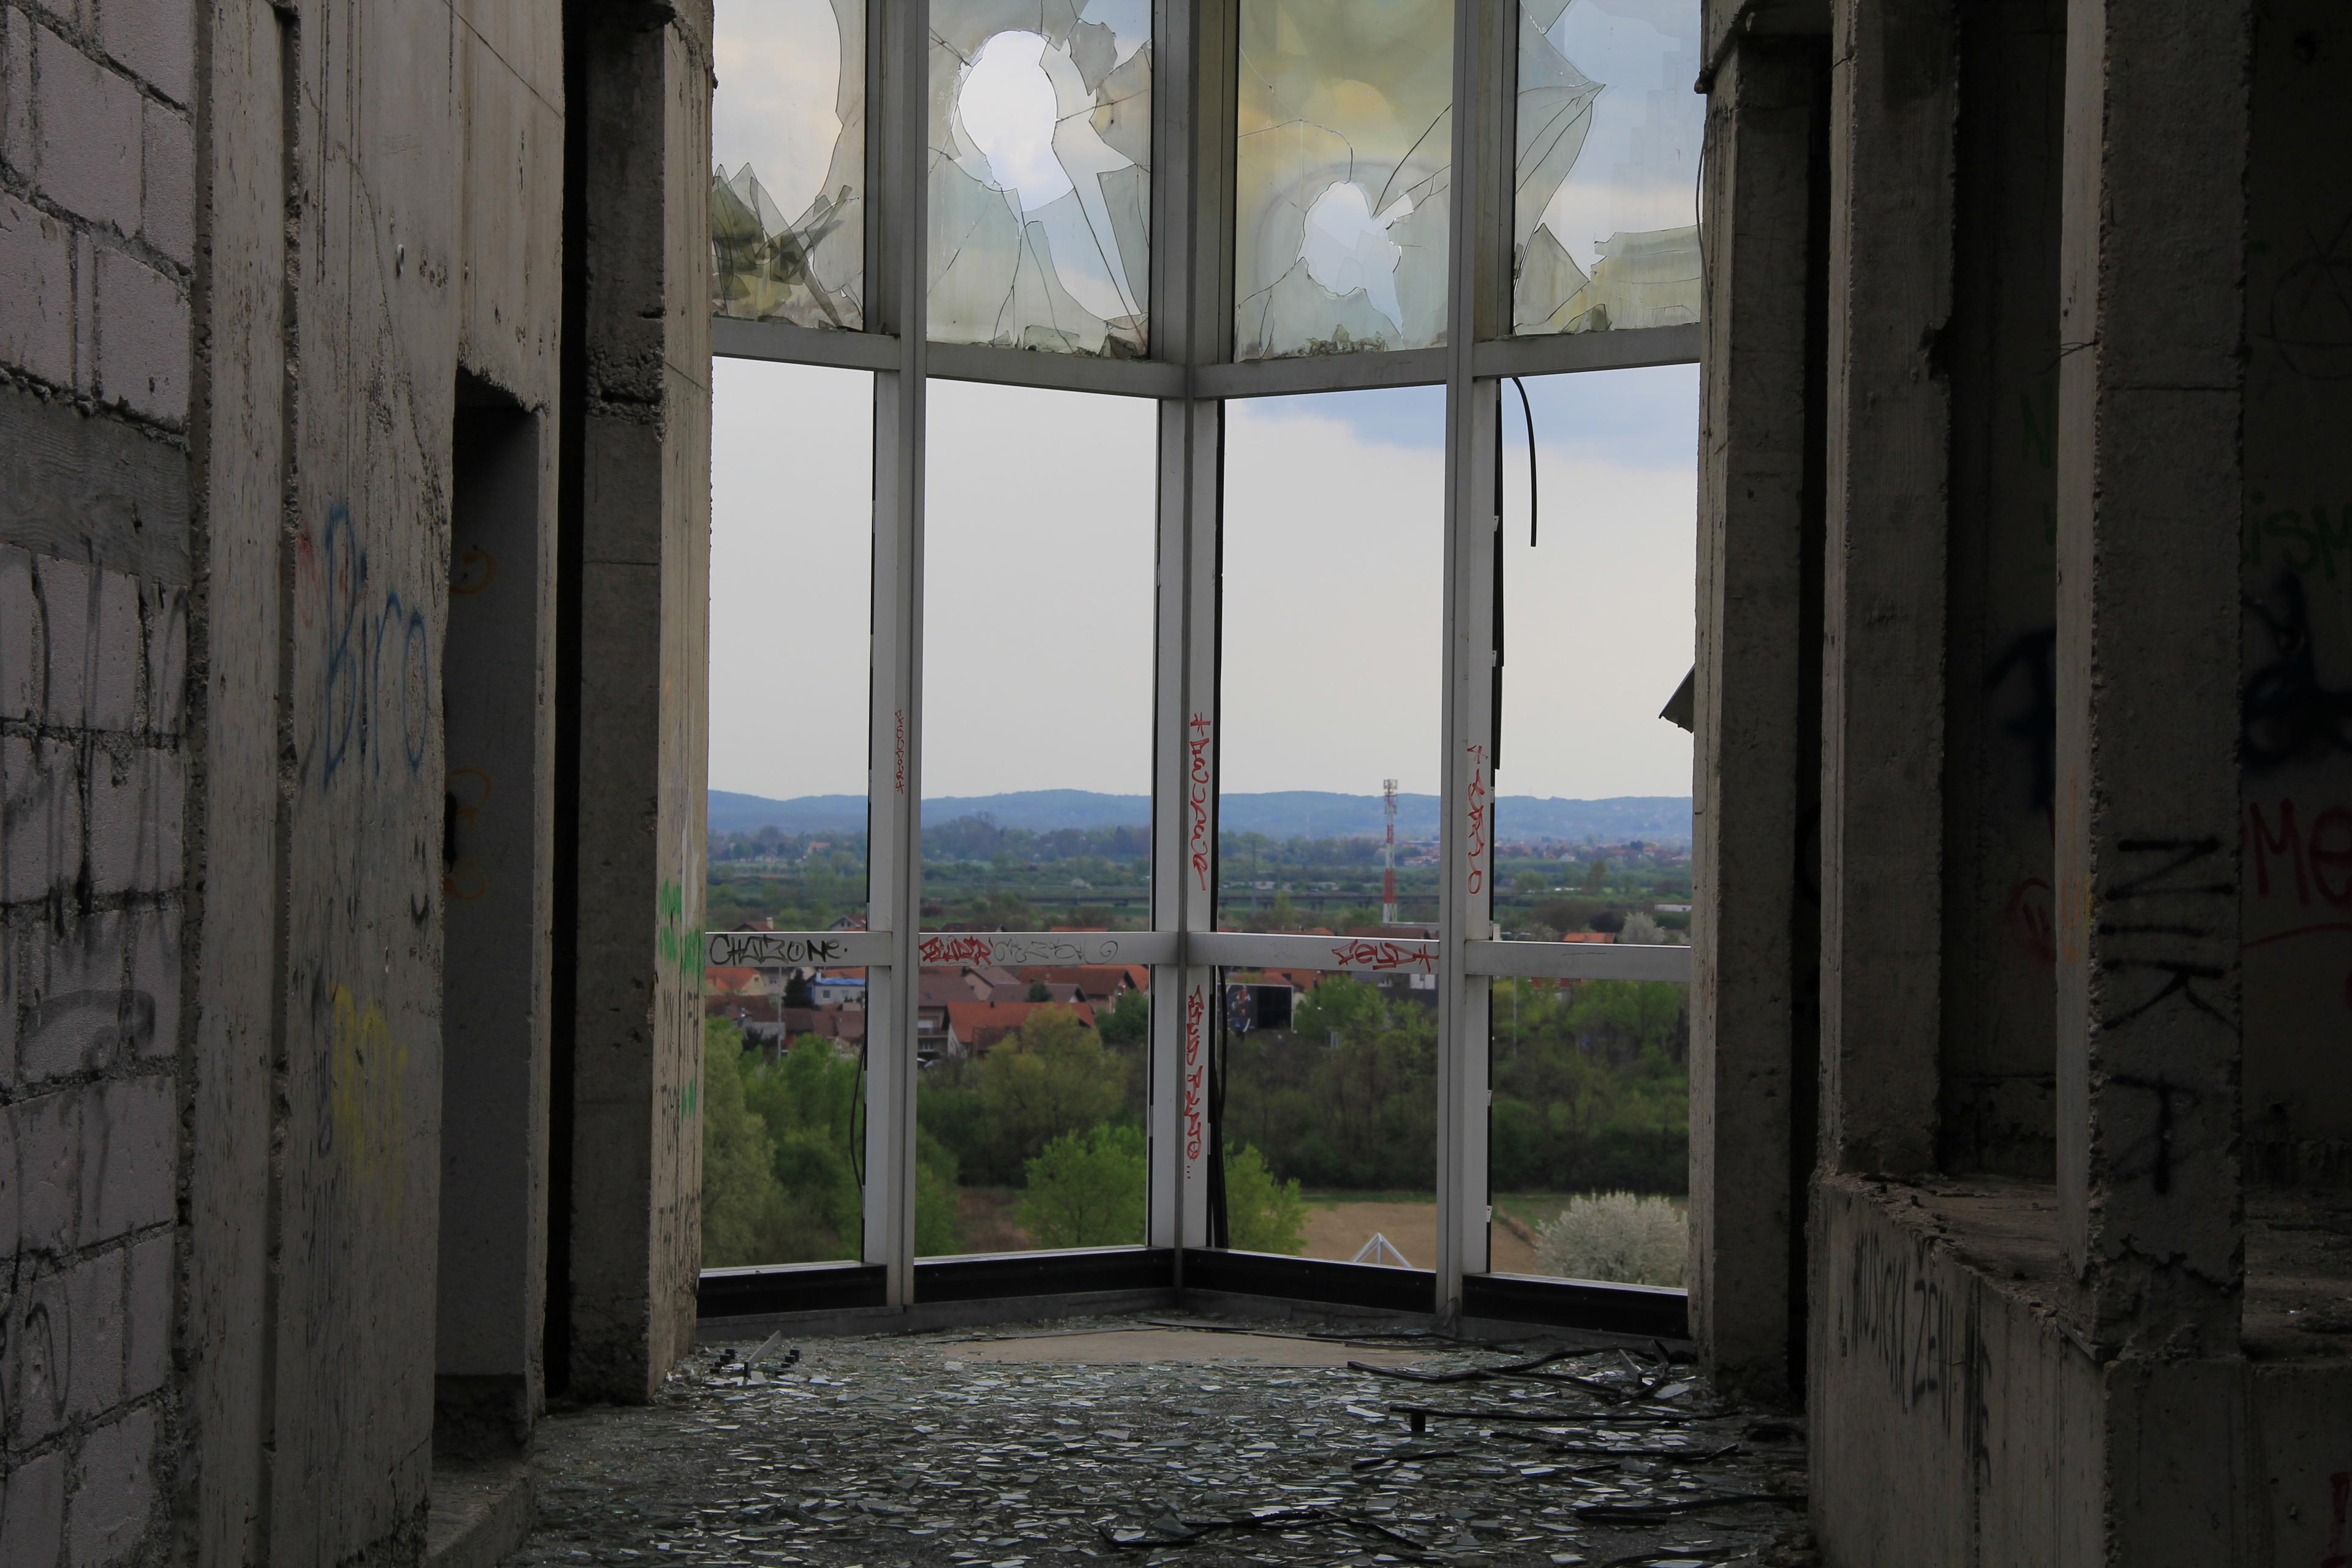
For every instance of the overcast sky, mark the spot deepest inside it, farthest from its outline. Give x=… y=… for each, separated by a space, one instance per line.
x=1038 y=671
x=1038 y=668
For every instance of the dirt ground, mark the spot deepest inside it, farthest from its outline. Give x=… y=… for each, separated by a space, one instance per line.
x=1337 y=1231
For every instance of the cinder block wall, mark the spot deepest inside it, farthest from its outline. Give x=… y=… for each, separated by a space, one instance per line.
x=97 y=250
x=249 y=253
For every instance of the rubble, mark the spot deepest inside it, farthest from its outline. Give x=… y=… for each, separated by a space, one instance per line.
x=1020 y=1448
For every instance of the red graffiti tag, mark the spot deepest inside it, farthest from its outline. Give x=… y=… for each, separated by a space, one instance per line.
x=1197 y=743
x=1383 y=956
x=2031 y=916
x=1196 y=1007
x=1477 y=799
x=955 y=950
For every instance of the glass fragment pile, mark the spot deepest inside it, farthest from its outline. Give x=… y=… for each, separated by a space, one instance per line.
x=917 y=1449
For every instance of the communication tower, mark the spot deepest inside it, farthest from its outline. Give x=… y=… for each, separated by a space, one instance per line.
x=1388 y=855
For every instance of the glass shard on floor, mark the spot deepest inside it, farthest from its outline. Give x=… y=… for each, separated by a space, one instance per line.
x=1605 y=224
x=1041 y=175
x=788 y=135
x=1342 y=166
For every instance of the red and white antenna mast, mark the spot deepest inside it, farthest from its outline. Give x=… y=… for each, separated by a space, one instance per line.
x=1388 y=855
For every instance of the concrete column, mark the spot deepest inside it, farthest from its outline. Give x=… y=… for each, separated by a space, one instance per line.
x=642 y=98
x=2151 y=390
x=1891 y=166
x=1757 y=687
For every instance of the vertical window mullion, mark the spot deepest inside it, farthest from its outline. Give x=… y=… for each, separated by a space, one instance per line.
x=1482 y=30
x=895 y=717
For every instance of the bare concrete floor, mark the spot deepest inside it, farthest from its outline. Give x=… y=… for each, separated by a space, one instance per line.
x=1129 y=1440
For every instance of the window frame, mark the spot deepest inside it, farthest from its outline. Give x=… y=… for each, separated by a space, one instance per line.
x=1191 y=375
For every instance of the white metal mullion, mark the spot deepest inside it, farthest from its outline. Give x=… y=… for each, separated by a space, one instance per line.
x=894 y=781
x=1197 y=880
x=1466 y=774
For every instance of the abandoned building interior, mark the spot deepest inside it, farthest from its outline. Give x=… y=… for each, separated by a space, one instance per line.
x=370 y=368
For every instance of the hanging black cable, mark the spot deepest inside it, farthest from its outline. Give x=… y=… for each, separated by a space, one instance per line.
x=1528 y=411
x=1220 y=1219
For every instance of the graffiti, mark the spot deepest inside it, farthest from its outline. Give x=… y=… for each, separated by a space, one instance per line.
x=1196 y=1008
x=1477 y=799
x=357 y=633
x=367 y=1114
x=751 y=949
x=2033 y=654
x=2321 y=863
x=899 y=762
x=956 y=949
x=1381 y=957
x=999 y=949
x=2302 y=548
x=1196 y=744
x=1905 y=1318
x=462 y=876
x=2167 y=946
x=676 y=947
x=2310 y=323
x=2031 y=917
x=91 y=1023
x=473 y=573
x=2287 y=713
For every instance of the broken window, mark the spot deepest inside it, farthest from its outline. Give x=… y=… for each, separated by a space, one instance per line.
x=1605 y=224
x=1330 y=654
x=788 y=137
x=1040 y=174
x=1342 y=162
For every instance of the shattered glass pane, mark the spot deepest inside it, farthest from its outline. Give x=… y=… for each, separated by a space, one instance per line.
x=788 y=135
x=1605 y=224
x=1040 y=174
x=1342 y=165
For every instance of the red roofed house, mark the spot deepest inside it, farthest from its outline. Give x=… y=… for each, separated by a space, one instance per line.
x=974 y=1027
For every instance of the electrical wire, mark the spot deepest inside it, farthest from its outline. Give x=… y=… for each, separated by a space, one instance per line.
x=1534 y=505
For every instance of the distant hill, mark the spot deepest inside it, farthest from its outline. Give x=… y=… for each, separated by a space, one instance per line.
x=1281 y=813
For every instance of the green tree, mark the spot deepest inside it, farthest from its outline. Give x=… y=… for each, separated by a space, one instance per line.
x=1126 y=1021
x=1037 y=992
x=1087 y=1189
x=1596 y=876
x=1051 y=1076
x=1261 y=1214
x=938 y=1212
x=808 y=1101
x=797 y=991
x=743 y=1209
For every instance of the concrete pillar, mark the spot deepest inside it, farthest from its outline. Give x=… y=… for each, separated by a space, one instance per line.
x=2149 y=474
x=636 y=628
x=2152 y=399
x=1891 y=156
x=2001 y=729
x=1756 y=756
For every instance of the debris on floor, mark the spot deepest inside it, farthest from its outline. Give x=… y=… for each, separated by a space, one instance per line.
x=1151 y=1441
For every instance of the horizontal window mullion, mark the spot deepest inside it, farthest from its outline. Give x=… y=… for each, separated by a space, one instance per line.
x=1576 y=960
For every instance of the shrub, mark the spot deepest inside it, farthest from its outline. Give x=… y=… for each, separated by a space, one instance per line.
x=1617 y=1236
x=1087 y=1189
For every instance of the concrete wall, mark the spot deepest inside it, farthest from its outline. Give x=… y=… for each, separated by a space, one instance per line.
x=97 y=246
x=641 y=643
x=383 y=184
x=2296 y=563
